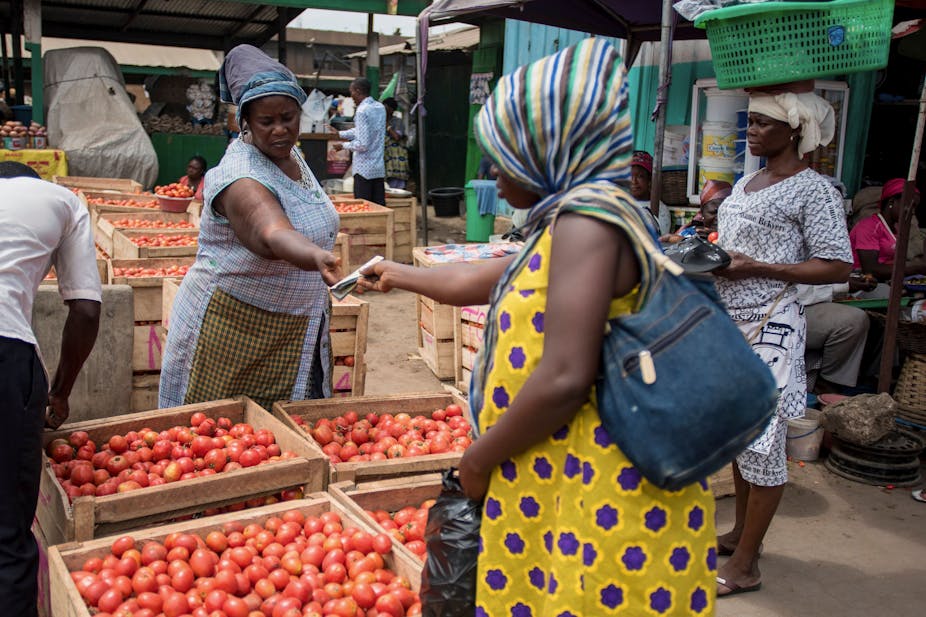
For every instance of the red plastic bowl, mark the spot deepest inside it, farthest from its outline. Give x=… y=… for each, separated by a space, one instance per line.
x=174 y=204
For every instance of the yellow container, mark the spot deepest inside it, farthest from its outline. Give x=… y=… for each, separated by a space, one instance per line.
x=718 y=141
x=709 y=169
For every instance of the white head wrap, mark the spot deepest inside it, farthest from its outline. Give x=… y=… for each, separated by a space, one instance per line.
x=812 y=113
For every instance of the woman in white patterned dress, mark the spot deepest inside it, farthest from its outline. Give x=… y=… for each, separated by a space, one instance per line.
x=782 y=225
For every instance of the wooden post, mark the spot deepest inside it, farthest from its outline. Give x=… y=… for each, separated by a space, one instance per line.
x=421 y=48
x=903 y=234
x=662 y=99
x=373 y=71
x=283 y=18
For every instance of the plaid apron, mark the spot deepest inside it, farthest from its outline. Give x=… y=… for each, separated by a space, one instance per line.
x=243 y=349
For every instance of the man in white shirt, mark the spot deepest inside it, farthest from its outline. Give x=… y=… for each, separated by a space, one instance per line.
x=367 y=141
x=41 y=225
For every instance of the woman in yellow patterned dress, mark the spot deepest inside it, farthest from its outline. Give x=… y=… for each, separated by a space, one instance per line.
x=569 y=527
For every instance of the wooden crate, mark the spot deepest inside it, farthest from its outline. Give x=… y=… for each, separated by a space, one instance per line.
x=122 y=185
x=99 y=202
x=350 y=320
x=148 y=346
x=342 y=250
x=104 y=229
x=437 y=326
x=66 y=600
x=102 y=268
x=389 y=495
x=405 y=224
x=90 y=517
x=169 y=291
x=147 y=291
x=722 y=483
x=371 y=233
x=125 y=248
x=412 y=404
x=145 y=388
x=469 y=329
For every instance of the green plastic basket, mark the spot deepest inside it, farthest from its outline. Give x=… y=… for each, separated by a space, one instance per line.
x=776 y=42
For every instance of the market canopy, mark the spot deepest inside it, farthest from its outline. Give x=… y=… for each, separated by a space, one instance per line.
x=203 y=24
x=627 y=19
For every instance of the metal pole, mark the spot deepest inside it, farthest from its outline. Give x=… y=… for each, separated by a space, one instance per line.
x=283 y=22
x=903 y=234
x=373 y=69
x=665 y=77
x=421 y=48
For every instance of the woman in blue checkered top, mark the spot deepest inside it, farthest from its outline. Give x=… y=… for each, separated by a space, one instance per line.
x=251 y=316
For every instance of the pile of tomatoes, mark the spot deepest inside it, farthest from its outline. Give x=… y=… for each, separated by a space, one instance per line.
x=406 y=525
x=142 y=224
x=174 y=189
x=134 y=203
x=377 y=437
x=350 y=207
x=161 y=240
x=292 y=565
x=141 y=272
x=149 y=458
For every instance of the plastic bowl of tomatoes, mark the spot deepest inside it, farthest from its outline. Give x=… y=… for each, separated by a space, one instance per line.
x=174 y=197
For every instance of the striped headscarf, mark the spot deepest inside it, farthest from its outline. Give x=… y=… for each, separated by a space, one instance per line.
x=248 y=73
x=560 y=127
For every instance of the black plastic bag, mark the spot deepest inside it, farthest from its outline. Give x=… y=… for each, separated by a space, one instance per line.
x=696 y=255
x=448 y=581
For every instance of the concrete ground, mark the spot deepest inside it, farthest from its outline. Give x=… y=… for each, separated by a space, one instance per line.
x=836 y=547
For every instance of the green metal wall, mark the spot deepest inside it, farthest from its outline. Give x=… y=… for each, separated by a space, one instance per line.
x=447 y=104
x=174 y=152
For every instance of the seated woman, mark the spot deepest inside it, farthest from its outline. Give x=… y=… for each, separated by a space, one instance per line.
x=705 y=221
x=874 y=238
x=195 y=177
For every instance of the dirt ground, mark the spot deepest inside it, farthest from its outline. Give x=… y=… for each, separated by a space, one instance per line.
x=835 y=548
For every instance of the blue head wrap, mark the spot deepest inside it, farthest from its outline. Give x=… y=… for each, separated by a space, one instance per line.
x=248 y=73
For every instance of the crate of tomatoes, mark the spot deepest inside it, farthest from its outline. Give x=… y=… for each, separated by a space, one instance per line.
x=105 y=476
x=146 y=278
x=378 y=437
x=398 y=507
x=109 y=222
x=153 y=243
x=306 y=557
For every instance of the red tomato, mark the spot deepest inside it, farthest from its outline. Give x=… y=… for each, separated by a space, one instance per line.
x=389 y=605
x=382 y=543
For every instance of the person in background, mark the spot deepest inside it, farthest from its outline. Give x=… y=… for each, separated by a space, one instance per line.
x=836 y=334
x=5 y=112
x=569 y=526
x=641 y=177
x=195 y=177
x=366 y=141
x=41 y=225
x=874 y=238
x=395 y=151
x=252 y=315
x=484 y=171
x=705 y=221
x=782 y=225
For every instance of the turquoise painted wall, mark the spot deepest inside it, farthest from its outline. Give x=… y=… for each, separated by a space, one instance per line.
x=526 y=42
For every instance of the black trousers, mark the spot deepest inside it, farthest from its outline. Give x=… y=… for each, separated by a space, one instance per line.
x=372 y=190
x=23 y=396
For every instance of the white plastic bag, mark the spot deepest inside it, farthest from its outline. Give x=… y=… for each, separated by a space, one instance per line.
x=314 y=112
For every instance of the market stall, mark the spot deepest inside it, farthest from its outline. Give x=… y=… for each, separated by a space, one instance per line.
x=24 y=141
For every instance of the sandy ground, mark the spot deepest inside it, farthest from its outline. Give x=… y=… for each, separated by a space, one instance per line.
x=836 y=547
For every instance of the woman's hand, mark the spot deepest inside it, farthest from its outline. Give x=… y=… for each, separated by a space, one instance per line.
x=329 y=266
x=475 y=482
x=373 y=279
x=741 y=267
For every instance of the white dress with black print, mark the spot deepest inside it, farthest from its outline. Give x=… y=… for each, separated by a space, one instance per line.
x=790 y=222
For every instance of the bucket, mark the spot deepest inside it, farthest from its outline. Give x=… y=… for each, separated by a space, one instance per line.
x=478 y=226
x=718 y=140
x=446 y=201
x=804 y=437
x=715 y=169
x=675 y=145
x=722 y=105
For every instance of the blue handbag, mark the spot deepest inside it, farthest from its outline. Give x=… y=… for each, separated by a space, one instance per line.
x=680 y=391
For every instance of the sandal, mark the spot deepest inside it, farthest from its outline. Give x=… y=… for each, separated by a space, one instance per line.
x=735 y=589
x=726 y=551
x=919 y=495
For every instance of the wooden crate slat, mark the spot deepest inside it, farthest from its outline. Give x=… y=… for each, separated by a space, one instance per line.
x=125 y=248
x=436 y=318
x=342 y=250
x=91 y=516
x=438 y=354
x=125 y=185
x=66 y=601
x=148 y=346
x=412 y=404
x=145 y=391
x=169 y=289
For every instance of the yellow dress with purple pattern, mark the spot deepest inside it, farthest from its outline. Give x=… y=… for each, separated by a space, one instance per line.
x=570 y=528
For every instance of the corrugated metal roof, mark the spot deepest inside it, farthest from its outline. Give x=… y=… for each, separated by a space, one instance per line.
x=464 y=38
x=131 y=54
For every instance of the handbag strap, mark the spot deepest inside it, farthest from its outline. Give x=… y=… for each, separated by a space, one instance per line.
x=768 y=315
